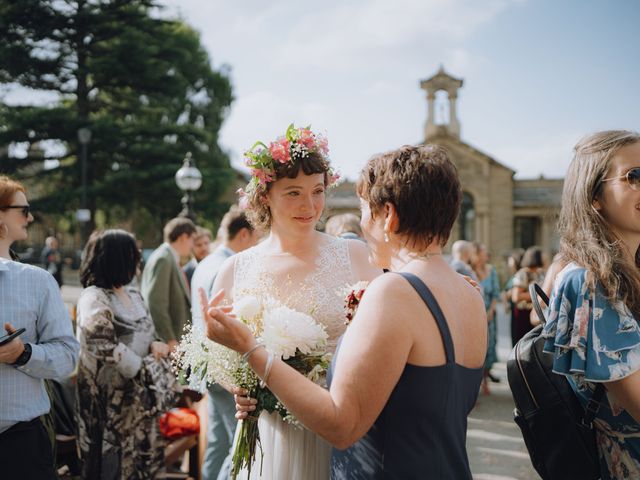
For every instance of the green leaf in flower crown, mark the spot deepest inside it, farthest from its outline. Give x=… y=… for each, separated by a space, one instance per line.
x=291 y=134
x=257 y=144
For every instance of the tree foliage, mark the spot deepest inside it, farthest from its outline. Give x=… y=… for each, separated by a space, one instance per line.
x=143 y=84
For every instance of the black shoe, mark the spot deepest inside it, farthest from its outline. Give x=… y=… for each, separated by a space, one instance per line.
x=493 y=378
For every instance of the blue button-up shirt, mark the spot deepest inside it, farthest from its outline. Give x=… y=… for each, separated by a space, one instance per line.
x=30 y=298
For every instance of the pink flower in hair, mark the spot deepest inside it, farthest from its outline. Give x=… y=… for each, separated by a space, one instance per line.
x=243 y=200
x=279 y=150
x=307 y=138
x=333 y=179
x=323 y=144
x=263 y=175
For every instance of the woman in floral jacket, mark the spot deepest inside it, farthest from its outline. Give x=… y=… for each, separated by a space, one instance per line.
x=124 y=378
x=593 y=328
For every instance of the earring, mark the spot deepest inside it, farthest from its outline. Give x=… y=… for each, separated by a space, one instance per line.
x=386 y=237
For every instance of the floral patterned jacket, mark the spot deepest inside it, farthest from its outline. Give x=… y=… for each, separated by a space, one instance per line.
x=595 y=341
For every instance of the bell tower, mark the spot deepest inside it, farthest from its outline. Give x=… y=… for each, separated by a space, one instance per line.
x=442 y=117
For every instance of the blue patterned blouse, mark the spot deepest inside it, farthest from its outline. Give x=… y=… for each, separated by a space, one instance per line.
x=595 y=341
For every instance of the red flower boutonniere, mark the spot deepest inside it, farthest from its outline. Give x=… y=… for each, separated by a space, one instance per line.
x=352 y=300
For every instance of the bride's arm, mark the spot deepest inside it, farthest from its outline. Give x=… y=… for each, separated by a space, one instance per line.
x=372 y=357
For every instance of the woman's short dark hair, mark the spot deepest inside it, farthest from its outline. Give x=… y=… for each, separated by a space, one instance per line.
x=532 y=258
x=423 y=186
x=110 y=259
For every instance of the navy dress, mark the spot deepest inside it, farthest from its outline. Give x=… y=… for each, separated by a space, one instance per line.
x=421 y=432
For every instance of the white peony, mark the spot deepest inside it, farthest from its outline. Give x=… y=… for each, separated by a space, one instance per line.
x=286 y=330
x=247 y=307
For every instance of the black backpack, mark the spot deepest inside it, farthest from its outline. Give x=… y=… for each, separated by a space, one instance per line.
x=557 y=430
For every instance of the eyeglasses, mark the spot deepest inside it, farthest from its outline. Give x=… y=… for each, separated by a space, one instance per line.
x=26 y=209
x=632 y=177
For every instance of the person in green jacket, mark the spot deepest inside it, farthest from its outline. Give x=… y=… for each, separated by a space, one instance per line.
x=164 y=286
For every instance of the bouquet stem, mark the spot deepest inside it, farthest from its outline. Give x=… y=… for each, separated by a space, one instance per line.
x=244 y=451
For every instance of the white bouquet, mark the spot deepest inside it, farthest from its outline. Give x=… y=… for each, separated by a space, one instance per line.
x=293 y=336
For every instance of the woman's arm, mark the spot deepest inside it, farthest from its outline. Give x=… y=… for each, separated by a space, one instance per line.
x=99 y=340
x=626 y=393
x=372 y=356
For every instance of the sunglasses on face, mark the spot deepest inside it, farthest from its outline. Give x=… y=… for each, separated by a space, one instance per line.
x=632 y=177
x=26 y=209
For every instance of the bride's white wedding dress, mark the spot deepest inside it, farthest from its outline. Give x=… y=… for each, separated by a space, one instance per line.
x=292 y=452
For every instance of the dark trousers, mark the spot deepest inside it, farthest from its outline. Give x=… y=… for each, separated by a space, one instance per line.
x=26 y=453
x=521 y=324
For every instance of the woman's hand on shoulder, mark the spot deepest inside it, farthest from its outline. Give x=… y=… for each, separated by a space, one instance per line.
x=473 y=283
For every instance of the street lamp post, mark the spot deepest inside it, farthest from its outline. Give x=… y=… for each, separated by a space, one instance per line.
x=83 y=215
x=188 y=179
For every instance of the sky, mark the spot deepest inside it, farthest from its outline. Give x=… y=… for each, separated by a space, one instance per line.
x=538 y=74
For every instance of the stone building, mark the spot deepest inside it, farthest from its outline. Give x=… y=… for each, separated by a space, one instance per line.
x=497 y=209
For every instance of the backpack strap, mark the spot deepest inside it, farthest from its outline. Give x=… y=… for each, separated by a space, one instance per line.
x=432 y=304
x=593 y=405
x=536 y=291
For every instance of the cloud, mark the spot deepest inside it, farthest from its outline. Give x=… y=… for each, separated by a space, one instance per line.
x=358 y=33
x=264 y=115
x=351 y=69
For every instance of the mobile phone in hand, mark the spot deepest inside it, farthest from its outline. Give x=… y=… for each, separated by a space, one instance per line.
x=10 y=336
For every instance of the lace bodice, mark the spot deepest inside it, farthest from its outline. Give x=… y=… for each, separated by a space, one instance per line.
x=319 y=291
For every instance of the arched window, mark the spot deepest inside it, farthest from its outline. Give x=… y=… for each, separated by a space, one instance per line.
x=441 y=107
x=467 y=218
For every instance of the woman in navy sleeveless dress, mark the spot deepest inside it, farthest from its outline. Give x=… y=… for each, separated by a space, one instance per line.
x=410 y=363
x=421 y=432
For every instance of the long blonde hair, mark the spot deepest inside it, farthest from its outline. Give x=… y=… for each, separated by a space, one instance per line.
x=586 y=236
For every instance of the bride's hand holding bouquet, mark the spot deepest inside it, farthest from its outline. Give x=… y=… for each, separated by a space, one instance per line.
x=241 y=331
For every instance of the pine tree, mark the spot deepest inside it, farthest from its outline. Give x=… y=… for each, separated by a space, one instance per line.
x=142 y=84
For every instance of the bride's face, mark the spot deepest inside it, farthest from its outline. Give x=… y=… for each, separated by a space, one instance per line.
x=297 y=202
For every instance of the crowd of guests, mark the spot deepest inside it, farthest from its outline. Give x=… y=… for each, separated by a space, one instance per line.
x=124 y=334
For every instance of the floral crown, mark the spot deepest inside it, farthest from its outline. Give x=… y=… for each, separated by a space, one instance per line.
x=297 y=143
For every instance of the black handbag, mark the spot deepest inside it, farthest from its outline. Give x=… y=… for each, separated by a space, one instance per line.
x=558 y=432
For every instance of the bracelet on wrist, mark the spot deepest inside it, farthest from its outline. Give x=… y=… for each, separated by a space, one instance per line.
x=247 y=354
x=267 y=370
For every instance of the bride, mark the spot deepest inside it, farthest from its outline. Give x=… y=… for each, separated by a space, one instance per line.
x=304 y=269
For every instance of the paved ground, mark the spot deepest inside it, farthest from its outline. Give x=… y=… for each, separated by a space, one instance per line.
x=494 y=443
